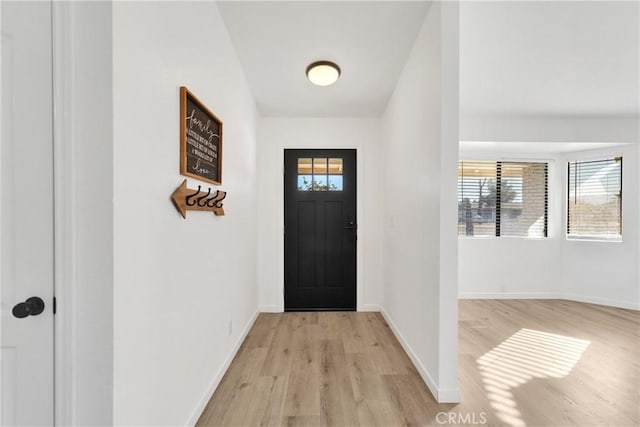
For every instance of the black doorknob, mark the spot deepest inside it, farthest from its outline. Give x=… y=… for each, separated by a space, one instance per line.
x=31 y=307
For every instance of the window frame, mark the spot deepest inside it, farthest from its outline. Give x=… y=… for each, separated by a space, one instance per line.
x=593 y=237
x=327 y=174
x=548 y=162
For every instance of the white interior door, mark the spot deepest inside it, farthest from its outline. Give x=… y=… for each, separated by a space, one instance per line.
x=26 y=214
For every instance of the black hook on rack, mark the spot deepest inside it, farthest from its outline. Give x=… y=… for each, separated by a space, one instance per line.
x=187 y=199
x=215 y=201
x=199 y=199
x=218 y=203
x=211 y=201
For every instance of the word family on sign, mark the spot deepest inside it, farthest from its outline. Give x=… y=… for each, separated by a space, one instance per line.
x=203 y=148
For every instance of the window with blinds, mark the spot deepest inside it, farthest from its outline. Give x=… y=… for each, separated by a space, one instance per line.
x=498 y=198
x=594 y=205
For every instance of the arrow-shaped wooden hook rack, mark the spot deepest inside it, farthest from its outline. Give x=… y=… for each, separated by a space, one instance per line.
x=187 y=199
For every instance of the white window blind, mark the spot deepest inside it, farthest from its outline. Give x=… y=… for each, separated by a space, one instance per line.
x=498 y=198
x=477 y=198
x=595 y=199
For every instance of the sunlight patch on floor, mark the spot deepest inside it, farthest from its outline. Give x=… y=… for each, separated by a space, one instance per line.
x=525 y=355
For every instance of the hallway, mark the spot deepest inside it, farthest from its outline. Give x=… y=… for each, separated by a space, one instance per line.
x=320 y=368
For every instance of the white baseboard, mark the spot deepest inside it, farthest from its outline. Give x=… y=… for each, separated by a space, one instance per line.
x=631 y=305
x=270 y=309
x=448 y=395
x=276 y=309
x=509 y=295
x=193 y=419
x=369 y=307
x=431 y=385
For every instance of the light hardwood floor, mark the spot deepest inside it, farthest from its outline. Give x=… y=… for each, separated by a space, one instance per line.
x=532 y=362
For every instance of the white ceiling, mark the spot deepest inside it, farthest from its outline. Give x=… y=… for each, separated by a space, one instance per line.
x=370 y=41
x=573 y=58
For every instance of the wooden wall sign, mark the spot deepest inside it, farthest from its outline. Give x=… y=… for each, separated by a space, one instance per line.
x=200 y=140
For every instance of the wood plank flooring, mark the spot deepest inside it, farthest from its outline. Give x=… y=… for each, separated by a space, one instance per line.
x=533 y=362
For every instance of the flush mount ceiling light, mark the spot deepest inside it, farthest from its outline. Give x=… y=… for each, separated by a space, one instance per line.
x=323 y=73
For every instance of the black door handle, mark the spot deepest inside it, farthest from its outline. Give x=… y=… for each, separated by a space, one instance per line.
x=351 y=224
x=31 y=307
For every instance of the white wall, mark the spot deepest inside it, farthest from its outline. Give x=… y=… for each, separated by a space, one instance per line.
x=515 y=267
x=420 y=135
x=509 y=268
x=597 y=272
x=83 y=134
x=551 y=83
x=184 y=290
x=276 y=134
x=474 y=127
x=608 y=272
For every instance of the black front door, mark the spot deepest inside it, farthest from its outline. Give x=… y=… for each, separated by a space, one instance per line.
x=320 y=230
